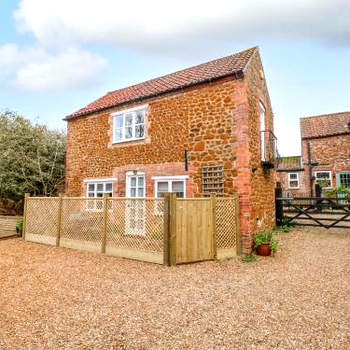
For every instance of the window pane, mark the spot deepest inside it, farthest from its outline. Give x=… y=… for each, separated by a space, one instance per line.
x=139 y=117
x=118 y=134
x=293 y=176
x=141 y=181
x=162 y=187
x=133 y=192
x=139 y=131
x=177 y=186
x=128 y=132
x=118 y=121
x=99 y=187
x=128 y=120
x=133 y=181
x=91 y=187
x=293 y=184
x=108 y=187
x=91 y=194
x=345 y=179
x=140 y=192
x=323 y=175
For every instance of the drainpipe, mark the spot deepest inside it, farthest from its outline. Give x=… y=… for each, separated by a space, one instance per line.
x=309 y=163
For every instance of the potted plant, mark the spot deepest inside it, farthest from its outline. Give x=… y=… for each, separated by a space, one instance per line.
x=265 y=243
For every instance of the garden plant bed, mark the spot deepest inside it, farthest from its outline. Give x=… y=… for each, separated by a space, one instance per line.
x=62 y=298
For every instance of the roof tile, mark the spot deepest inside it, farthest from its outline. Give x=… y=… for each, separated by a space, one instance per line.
x=325 y=125
x=188 y=77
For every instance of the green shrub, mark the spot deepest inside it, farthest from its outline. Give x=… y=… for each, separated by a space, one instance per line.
x=249 y=258
x=19 y=226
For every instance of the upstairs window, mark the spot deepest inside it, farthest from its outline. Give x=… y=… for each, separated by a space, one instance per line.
x=129 y=125
x=293 y=180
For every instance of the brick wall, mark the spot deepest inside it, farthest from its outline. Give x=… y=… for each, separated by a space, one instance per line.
x=218 y=123
x=260 y=205
x=282 y=177
x=331 y=152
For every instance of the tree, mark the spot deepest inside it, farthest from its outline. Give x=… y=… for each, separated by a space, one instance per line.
x=32 y=159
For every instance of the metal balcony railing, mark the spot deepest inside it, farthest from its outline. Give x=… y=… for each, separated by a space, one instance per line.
x=269 y=152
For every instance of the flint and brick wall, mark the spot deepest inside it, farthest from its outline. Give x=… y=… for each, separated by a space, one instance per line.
x=331 y=152
x=282 y=177
x=218 y=123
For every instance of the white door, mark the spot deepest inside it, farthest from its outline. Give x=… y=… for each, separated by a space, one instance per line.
x=135 y=214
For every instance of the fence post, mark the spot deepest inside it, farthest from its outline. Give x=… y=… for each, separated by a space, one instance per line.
x=26 y=198
x=170 y=229
x=213 y=217
x=59 y=219
x=105 y=216
x=279 y=206
x=237 y=221
x=166 y=230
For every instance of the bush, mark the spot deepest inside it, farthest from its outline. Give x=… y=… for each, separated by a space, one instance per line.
x=19 y=227
x=249 y=258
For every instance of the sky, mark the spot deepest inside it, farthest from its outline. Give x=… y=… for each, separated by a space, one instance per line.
x=56 y=56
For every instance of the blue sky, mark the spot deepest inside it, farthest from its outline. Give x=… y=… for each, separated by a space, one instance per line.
x=57 y=56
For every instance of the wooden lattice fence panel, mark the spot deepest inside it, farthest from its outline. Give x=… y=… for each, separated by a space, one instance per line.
x=135 y=228
x=226 y=217
x=42 y=220
x=82 y=224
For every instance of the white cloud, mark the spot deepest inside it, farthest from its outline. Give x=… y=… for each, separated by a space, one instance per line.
x=158 y=25
x=35 y=69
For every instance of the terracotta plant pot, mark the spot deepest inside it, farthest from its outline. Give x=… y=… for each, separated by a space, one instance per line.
x=263 y=249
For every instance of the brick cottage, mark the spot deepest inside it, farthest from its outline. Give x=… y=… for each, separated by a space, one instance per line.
x=171 y=133
x=325 y=145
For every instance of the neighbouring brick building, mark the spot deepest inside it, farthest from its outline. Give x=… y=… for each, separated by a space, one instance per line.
x=171 y=133
x=325 y=145
x=291 y=175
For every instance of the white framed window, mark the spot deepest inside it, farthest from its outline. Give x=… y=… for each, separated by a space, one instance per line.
x=164 y=184
x=129 y=125
x=324 y=178
x=293 y=180
x=135 y=185
x=262 y=131
x=98 y=190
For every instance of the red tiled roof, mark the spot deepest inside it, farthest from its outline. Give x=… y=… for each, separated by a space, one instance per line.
x=289 y=163
x=205 y=72
x=325 y=125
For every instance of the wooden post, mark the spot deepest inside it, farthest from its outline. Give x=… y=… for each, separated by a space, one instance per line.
x=166 y=230
x=238 y=230
x=59 y=219
x=105 y=216
x=26 y=198
x=279 y=205
x=213 y=218
x=172 y=229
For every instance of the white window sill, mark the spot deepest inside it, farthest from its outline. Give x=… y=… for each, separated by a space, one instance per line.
x=128 y=140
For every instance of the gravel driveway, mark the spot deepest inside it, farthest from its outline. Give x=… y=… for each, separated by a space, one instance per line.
x=59 y=298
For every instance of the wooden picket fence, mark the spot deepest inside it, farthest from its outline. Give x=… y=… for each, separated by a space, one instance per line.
x=165 y=230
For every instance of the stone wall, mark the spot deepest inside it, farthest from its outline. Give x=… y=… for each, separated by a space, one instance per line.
x=282 y=177
x=260 y=203
x=331 y=152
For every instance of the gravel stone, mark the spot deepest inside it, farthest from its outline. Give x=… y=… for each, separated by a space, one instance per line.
x=56 y=298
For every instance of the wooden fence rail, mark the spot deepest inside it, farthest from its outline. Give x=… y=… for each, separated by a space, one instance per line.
x=8 y=226
x=165 y=230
